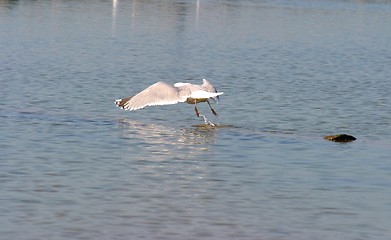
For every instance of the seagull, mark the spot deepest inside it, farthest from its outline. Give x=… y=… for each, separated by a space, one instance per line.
x=162 y=93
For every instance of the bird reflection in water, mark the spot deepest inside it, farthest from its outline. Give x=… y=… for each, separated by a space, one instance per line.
x=161 y=139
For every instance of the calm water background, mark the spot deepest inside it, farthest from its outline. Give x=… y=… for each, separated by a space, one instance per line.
x=73 y=166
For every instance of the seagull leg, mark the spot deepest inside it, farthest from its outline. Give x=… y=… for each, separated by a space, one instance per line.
x=213 y=111
x=207 y=122
x=196 y=110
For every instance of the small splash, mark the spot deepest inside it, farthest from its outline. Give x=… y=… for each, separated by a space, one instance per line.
x=219 y=123
x=204 y=126
x=215 y=126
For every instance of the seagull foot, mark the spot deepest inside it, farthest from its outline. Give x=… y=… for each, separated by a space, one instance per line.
x=207 y=122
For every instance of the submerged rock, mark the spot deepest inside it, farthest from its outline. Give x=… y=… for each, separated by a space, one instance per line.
x=340 y=138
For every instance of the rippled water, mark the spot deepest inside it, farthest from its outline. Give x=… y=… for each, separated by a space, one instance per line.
x=73 y=166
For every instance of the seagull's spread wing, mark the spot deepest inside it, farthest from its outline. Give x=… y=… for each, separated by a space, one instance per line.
x=159 y=93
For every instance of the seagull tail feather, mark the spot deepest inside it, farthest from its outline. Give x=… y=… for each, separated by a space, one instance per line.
x=121 y=102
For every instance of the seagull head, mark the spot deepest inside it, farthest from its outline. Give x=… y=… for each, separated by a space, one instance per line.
x=210 y=88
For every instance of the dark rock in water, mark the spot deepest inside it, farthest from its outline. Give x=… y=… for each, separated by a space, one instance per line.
x=340 y=138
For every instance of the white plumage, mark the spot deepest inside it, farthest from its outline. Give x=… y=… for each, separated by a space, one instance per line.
x=162 y=93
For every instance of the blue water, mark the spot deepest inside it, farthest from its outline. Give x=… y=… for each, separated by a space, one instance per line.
x=74 y=166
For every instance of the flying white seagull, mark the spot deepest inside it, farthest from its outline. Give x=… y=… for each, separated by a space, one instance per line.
x=162 y=93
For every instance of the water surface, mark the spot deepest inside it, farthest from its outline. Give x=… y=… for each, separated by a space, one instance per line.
x=73 y=166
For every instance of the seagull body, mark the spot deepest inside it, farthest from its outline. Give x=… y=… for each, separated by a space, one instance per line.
x=162 y=93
